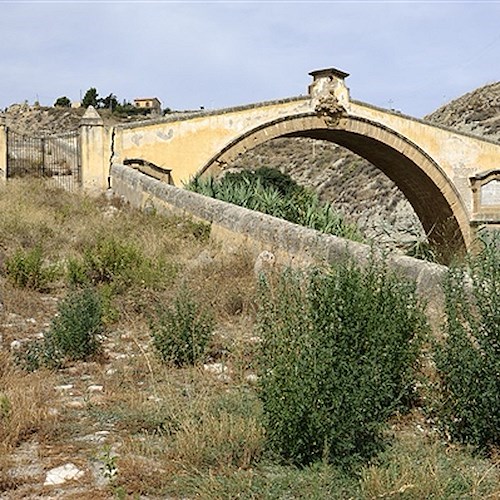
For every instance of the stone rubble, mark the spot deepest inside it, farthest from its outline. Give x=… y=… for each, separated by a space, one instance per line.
x=63 y=473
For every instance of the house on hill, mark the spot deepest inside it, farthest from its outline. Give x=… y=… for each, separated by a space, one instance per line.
x=149 y=103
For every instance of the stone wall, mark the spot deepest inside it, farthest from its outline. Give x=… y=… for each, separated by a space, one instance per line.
x=236 y=227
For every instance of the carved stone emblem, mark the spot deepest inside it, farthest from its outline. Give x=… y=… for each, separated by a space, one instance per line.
x=329 y=108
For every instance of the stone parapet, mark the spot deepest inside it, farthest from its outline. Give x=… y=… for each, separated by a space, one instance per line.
x=189 y=115
x=293 y=245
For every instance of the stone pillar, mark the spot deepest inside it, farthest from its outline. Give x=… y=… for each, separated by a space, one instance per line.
x=95 y=157
x=330 y=81
x=3 y=149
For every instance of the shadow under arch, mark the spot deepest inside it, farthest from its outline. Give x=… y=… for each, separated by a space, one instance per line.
x=423 y=182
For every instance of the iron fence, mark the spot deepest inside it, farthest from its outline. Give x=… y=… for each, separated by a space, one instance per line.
x=55 y=158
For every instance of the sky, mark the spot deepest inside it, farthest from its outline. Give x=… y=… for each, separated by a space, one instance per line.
x=413 y=56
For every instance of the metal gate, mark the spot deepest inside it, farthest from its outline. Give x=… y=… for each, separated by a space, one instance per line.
x=55 y=158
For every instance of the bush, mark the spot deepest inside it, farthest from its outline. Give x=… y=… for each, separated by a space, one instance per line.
x=75 y=331
x=468 y=360
x=117 y=264
x=271 y=192
x=181 y=333
x=109 y=260
x=27 y=269
x=338 y=352
x=73 y=334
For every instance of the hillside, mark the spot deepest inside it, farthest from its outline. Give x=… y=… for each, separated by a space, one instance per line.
x=40 y=120
x=477 y=112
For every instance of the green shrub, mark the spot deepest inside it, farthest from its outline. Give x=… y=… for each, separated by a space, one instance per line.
x=468 y=360
x=75 y=331
x=338 y=353
x=73 y=335
x=180 y=333
x=5 y=406
x=26 y=268
x=117 y=264
x=109 y=260
x=269 y=191
x=38 y=353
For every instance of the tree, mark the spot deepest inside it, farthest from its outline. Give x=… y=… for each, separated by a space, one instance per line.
x=109 y=102
x=62 y=102
x=91 y=98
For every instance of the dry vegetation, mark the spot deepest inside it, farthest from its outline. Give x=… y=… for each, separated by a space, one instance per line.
x=139 y=428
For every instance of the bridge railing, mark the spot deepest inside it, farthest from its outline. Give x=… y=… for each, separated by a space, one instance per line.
x=292 y=244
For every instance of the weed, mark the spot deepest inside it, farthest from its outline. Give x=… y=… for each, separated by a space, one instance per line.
x=5 y=406
x=27 y=269
x=181 y=333
x=416 y=468
x=73 y=334
x=338 y=354
x=468 y=361
x=117 y=264
x=75 y=331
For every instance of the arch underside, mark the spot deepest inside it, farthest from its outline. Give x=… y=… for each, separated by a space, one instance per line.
x=431 y=194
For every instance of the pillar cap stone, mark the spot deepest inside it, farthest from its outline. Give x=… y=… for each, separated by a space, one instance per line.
x=91 y=117
x=329 y=72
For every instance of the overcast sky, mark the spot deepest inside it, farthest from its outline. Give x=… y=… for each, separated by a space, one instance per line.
x=412 y=56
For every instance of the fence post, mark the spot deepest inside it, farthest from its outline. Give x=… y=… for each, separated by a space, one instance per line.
x=3 y=149
x=94 y=163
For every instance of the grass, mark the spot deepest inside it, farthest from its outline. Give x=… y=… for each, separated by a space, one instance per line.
x=189 y=432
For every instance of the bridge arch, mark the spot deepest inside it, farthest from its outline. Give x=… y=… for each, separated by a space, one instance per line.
x=423 y=182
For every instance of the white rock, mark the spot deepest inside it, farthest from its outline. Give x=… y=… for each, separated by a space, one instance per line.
x=155 y=399
x=15 y=345
x=264 y=264
x=65 y=387
x=251 y=378
x=59 y=475
x=95 y=388
x=203 y=260
x=215 y=368
x=75 y=404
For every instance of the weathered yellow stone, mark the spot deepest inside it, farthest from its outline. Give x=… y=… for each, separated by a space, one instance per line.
x=432 y=165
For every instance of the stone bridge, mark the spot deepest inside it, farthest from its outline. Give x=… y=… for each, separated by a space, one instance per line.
x=451 y=179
